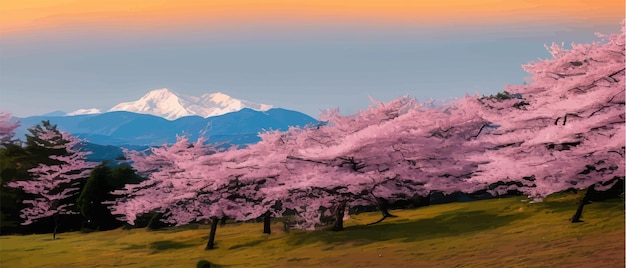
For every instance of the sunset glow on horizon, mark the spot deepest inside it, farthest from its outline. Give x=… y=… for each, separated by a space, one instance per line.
x=20 y=17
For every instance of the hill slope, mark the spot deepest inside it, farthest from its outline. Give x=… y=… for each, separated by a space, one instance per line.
x=490 y=233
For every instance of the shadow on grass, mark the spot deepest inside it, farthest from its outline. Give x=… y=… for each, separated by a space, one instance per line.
x=207 y=264
x=558 y=206
x=168 y=244
x=249 y=244
x=52 y=239
x=449 y=224
x=158 y=246
x=175 y=229
x=33 y=249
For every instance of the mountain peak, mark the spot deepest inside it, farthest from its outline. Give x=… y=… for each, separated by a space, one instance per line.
x=217 y=97
x=160 y=102
x=161 y=92
x=171 y=105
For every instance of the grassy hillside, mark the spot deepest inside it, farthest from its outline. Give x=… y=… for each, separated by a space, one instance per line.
x=504 y=232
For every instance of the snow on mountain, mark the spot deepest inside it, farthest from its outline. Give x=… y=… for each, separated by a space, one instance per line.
x=85 y=111
x=172 y=105
x=160 y=102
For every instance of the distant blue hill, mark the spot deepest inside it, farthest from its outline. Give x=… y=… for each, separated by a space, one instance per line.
x=55 y=113
x=127 y=129
x=101 y=153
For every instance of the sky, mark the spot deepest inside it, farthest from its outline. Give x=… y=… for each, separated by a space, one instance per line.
x=300 y=55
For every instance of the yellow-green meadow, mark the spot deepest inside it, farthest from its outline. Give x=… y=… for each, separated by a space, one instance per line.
x=506 y=232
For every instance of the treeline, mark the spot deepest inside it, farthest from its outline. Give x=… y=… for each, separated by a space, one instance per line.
x=18 y=157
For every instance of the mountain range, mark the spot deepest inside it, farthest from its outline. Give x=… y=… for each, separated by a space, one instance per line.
x=160 y=115
x=171 y=105
x=127 y=128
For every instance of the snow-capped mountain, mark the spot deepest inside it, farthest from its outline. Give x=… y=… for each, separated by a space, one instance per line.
x=172 y=105
x=85 y=111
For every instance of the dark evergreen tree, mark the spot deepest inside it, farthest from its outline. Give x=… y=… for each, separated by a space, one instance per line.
x=11 y=168
x=92 y=201
x=55 y=182
x=97 y=216
x=15 y=161
x=40 y=147
x=122 y=175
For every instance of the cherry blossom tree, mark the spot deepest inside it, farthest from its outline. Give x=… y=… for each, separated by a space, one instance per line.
x=563 y=131
x=332 y=177
x=7 y=127
x=161 y=166
x=260 y=175
x=182 y=186
x=235 y=184
x=394 y=151
x=53 y=183
x=318 y=171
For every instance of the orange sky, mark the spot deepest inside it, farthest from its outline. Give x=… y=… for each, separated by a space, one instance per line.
x=33 y=15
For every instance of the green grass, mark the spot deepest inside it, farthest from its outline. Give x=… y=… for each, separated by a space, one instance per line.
x=505 y=232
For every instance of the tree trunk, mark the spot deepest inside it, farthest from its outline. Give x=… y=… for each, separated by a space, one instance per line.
x=581 y=204
x=285 y=227
x=211 y=243
x=339 y=211
x=56 y=226
x=267 y=217
x=223 y=221
x=383 y=206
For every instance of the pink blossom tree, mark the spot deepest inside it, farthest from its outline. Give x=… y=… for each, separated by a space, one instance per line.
x=183 y=186
x=53 y=183
x=563 y=131
x=260 y=174
x=7 y=127
x=240 y=184
x=332 y=176
x=393 y=151
x=315 y=171
x=162 y=167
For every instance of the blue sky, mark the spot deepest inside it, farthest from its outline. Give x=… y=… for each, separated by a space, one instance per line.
x=304 y=68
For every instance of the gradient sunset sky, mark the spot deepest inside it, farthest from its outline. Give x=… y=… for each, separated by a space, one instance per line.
x=300 y=55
